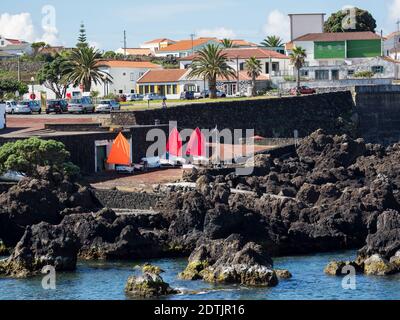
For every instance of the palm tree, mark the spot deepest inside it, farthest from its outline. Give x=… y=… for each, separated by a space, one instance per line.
x=82 y=67
x=254 y=69
x=297 y=58
x=210 y=63
x=227 y=43
x=272 y=42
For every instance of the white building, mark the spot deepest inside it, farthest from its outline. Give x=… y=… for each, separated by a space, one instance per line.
x=303 y=23
x=157 y=44
x=274 y=65
x=185 y=48
x=12 y=47
x=135 y=51
x=391 y=45
x=124 y=76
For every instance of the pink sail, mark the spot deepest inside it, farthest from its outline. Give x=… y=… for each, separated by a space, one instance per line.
x=174 y=144
x=197 y=144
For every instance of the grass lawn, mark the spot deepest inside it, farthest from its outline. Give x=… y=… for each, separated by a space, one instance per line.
x=144 y=105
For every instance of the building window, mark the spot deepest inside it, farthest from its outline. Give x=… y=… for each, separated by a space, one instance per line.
x=304 y=73
x=152 y=89
x=141 y=91
x=241 y=66
x=132 y=76
x=121 y=91
x=377 y=69
x=174 y=89
x=2 y=42
x=124 y=74
x=141 y=74
x=275 y=66
x=350 y=72
x=321 y=74
x=168 y=89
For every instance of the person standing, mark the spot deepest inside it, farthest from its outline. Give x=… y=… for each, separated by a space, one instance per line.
x=164 y=103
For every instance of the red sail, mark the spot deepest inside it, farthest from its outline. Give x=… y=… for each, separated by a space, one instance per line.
x=197 y=144
x=174 y=145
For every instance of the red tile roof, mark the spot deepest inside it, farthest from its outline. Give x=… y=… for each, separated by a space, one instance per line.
x=246 y=53
x=242 y=43
x=159 y=41
x=186 y=44
x=338 y=36
x=14 y=41
x=162 y=76
x=138 y=51
x=129 y=64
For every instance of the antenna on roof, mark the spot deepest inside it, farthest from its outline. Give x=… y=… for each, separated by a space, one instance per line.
x=125 y=43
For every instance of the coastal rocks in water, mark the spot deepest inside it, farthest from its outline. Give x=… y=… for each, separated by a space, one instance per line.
x=42 y=245
x=3 y=249
x=341 y=268
x=41 y=199
x=378 y=266
x=149 y=268
x=148 y=285
x=231 y=261
x=106 y=236
x=283 y=274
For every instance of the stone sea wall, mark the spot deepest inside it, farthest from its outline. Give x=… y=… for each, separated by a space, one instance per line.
x=271 y=118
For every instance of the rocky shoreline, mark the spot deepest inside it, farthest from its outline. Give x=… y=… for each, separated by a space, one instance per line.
x=336 y=193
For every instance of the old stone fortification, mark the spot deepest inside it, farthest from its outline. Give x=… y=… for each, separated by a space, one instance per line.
x=269 y=117
x=378 y=110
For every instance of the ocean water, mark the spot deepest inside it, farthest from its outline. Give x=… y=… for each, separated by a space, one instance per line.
x=106 y=281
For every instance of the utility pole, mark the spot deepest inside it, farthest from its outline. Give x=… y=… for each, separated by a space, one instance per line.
x=125 y=43
x=238 y=73
x=192 y=37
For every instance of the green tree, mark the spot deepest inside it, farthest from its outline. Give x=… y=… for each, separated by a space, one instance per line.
x=82 y=38
x=27 y=156
x=83 y=67
x=210 y=63
x=272 y=42
x=12 y=86
x=53 y=76
x=109 y=55
x=297 y=58
x=36 y=46
x=364 y=21
x=227 y=43
x=254 y=69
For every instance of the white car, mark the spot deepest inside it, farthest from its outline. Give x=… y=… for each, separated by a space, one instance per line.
x=153 y=96
x=134 y=97
x=83 y=105
x=13 y=107
x=3 y=117
x=107 y=106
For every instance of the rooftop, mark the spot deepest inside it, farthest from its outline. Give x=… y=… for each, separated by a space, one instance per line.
x=129 y=64
x=187 y=44
x=137 y=51
x=167 y=75
x=339 y=36
x=159 y=41
x=246 y=53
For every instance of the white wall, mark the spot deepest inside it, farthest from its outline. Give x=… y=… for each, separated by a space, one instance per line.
x=124 y=79
x=2 y=115
x=301 y=24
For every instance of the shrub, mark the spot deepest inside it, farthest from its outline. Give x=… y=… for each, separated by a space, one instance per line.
x=27 y=156
x=364 y=74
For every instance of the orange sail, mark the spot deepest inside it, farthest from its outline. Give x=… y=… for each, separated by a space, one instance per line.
x=120 y=151
x=197 y=144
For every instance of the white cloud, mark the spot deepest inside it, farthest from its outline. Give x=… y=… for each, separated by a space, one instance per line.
x=219 y=33
x=20 y=26
x=394 y=10
x=278 y=24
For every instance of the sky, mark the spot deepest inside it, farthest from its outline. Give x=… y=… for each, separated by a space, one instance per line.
x=57 y=21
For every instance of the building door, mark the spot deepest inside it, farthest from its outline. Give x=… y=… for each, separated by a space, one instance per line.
x=335 y=74
x=101 y=157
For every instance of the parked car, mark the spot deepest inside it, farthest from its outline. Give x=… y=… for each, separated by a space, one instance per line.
x=3 y=116
x=107 y=106
x=303 y=90
x=206 y=94
x=187 y=95
x=17 y=107
x=57 y=106
x=153 y=96
x=134 y=97
x=83 y=105
x=35 y=106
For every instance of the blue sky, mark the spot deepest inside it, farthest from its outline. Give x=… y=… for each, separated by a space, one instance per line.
x=175 y=19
